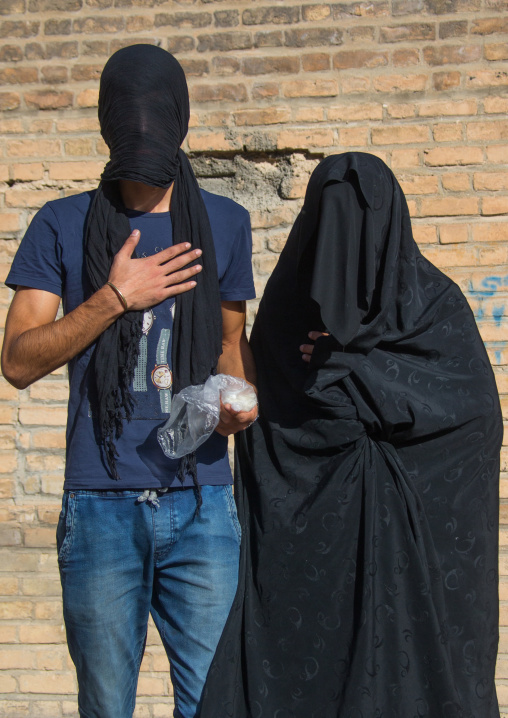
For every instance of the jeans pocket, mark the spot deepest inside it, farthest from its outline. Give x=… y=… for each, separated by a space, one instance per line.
x=233 y=515
x=65 y=528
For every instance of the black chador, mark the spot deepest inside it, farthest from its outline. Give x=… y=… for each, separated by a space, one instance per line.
x=368 y=489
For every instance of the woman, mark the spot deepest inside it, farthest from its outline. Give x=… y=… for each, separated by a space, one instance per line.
x=368 y=489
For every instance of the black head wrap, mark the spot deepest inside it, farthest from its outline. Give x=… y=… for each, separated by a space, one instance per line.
x=144 y=116
x=368 y=488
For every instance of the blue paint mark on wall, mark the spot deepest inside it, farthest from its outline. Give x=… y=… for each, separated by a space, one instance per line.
x=489 y=286
x=498 y=314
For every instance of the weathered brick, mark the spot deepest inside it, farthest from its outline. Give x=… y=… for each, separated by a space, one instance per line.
x=497 y=130
x=9 y=101
x=309 y=88
x=446 y=80
x=20 y=197
x=401 y=110
x=400 y=134
x=54 y=5
x=316 y=13
x=224 y=42
x=315 y=62
x=489 y=26
x=180 y=43
x=57 y=27
x=496 y=51
x=9 y=7
x=183 y=19
x=400 y=83
x=453 y=233
x=408 y=33
x=362 y=8
x=268 y=15
x=490 y=181
x=449 y=109
x=313 y=37
x=213 y=141
x=88 y=98
x=194 y=68
x=359 y=58
x=423 y=234
x=268 y=116
x=273 y=38
x=42 y=415
x=226 y=18
x=448 y=206
x=225 y=65
x=361 y=33
x=350 y=112
x=304 y=139
x=451 y=54
x=405 y=57
x=262 y=91
x=214 y=93
x=419 y=184
x=47 y=682
x=452 y=28
x=266 y=65
x=84 y=170
x=487 y=78
x=353 y=84
x=78 y=147
x=93 y=25
x=494 y=205
x=48 y=99
x=18 y=28
x=353 y=137
x=11 y=53
x=453 y=156
x=447 y=132
x=18 y=75
x=33 y=148
x=138 y=23
x=456 y=182
x=308 y=114
x=54 y=74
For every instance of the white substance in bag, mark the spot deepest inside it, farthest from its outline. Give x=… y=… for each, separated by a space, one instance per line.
x=195 y=412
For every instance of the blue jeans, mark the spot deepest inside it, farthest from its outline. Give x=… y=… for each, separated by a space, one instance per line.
x=121 y=560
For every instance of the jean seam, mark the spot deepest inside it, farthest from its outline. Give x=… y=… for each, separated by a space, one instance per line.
x=138 y=667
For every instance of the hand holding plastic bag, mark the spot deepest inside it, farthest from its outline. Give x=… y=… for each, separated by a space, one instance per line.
x=195 y=412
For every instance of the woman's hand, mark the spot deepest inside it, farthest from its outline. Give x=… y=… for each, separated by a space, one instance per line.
x=307 y=349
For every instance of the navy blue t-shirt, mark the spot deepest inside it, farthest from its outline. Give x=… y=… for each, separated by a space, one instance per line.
x=51 y=257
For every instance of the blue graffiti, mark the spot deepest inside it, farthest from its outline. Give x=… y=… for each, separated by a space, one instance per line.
x=498 y=314
x=499 y=356
x=490 y=285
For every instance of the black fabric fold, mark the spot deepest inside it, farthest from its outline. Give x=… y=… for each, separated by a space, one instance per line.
x=144 y=115
x=368 y=489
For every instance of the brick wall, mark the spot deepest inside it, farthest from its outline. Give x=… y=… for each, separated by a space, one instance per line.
x=274 y=87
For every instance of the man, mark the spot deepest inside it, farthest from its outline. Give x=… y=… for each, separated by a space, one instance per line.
x=138 y=533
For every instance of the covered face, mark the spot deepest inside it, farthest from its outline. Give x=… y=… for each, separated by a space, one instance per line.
x=361 y=260
x=144 y=114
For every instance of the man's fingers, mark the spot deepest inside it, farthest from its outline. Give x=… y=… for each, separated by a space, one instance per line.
x=166 y=255
x=316 y=335
x=130 y=243
x=306 y=348
x=178 y=277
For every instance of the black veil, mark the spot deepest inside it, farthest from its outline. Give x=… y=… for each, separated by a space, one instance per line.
x=368 y=489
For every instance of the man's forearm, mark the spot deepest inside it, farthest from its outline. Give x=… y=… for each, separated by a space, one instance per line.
x=237 y=360
x=42 y=349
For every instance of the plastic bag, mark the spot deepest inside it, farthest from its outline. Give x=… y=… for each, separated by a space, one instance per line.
x=195 y=412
